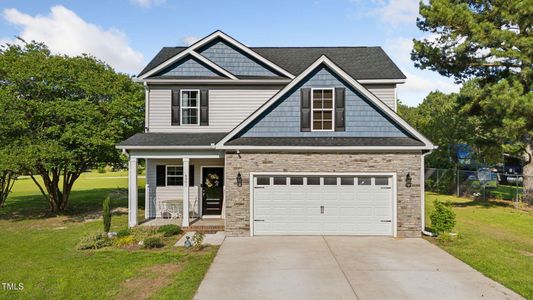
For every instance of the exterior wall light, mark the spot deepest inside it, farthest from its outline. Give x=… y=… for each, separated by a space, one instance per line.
x=408 y=180
x=239 y=179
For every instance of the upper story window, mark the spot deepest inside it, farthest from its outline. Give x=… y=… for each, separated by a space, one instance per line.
x=190 y=107
x=322 y=103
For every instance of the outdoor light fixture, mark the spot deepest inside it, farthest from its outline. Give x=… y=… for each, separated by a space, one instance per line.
x=239 y=179
x=408 y=180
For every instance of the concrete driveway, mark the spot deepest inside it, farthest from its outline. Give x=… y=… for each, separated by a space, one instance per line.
x=306 y=267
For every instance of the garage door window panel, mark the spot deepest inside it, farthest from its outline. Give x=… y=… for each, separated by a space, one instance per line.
x=263 y=180
x=297 y=180
x=330 y=180
x=381 y=181
x=347 y=181
x=313 y=180
x=364 y=181
x=280 y=180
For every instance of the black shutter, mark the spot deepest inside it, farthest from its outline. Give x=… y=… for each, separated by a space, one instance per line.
x=340 y=103
x=176 y=107
x=204 y=108
x=305 y=109
x=161 y=176
x=191 y=175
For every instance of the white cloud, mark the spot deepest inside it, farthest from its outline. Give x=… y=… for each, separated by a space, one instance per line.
x=397 y=12
x=65 y=32
x=400 y=50
x=394 y=12
x=148 y=3
x=189 y=40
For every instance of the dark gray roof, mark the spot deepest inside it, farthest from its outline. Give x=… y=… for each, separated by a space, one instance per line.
x=324 y=141
x=173 y=139
x=359 y=62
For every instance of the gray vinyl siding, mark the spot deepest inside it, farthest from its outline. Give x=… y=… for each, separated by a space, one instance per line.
x=233 y=60
x=385 y=93
x=227 y=108
x=159 y=193
x=189 y=67
x=283 y=118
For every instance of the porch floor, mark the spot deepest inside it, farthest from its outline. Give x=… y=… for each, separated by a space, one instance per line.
x=195 y=224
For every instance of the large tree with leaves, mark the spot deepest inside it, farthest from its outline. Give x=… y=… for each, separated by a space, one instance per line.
x=488 y=44
x=73 y=111
x=439 y=119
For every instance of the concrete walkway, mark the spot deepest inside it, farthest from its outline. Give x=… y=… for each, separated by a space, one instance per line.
x=308 y=267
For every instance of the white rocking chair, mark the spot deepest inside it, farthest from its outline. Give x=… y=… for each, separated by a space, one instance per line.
x=170 y=208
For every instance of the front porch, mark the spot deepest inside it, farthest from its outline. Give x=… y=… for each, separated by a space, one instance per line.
x=195 y=224
x=181 y=188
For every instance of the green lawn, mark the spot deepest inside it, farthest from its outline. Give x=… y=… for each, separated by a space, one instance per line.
x=494 y=238
x=39 y=250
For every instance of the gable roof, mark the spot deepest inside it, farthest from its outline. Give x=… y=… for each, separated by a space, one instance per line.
x=359 y=62
x=324 y=60
x=192 y=50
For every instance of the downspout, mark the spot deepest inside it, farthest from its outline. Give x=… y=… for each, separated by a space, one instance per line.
x=146 y=107
x=423 y=193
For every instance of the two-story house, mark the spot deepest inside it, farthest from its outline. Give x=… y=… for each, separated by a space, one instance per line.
x=278 y=140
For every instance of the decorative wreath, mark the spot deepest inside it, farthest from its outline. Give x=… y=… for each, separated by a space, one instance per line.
x=211 y=180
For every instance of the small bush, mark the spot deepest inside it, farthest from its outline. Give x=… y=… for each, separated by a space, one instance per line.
x=197 y=240
x=442 y=217
x=153 y=242
x=106 y=214
x=124 y=232
x=101 y=169
x=125 y=241
x=95 y=241
x=169 y=230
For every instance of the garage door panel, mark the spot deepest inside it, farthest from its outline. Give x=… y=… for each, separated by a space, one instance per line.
x=347 y=209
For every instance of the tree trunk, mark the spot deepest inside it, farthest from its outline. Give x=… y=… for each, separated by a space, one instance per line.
x=57 y=191
x=528 y=174
x=7 y=180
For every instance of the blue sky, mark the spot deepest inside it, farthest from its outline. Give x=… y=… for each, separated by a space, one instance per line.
x=128 y=33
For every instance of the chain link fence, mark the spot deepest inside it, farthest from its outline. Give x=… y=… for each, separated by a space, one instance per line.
x=479 y=184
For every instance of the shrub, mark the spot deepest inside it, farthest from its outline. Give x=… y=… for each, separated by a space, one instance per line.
x=124 y=232
x=442 y=217
x=153 y=242
x=197 y=240
x=95 y=241
x=125 y=241
x=106 y=214
x=101 y=168
x=169 y=230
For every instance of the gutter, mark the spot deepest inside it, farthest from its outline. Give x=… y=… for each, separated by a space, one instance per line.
x=423 y=193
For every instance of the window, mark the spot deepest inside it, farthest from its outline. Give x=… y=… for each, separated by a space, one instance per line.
x=174 y=175
x=364 y=181
x=346 y=180
x=280 y=180
x=263 y=180
x=313 y=180
x=190 y=107
x=381 y=181
x=330 y=180
x=297 y=181
x=322 y=103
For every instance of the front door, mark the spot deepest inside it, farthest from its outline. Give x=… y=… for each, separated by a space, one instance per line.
x=212 y=190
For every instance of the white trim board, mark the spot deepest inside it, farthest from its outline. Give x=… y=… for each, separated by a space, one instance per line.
x=324 y=60
x=209 y=38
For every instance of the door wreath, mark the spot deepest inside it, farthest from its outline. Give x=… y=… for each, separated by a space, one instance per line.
x=212 y=180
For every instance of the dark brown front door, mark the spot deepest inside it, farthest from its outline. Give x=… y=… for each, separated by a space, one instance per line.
x=212 y=190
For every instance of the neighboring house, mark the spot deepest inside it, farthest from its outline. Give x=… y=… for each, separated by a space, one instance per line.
x=278 y=140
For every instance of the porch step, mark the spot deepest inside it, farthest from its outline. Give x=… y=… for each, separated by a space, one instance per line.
x=205 y=228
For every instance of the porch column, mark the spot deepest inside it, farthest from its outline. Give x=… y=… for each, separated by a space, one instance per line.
x=185 y=213
x=132 y=192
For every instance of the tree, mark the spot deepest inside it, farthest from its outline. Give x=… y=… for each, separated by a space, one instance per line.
x=489 y=44
x=439 y=119
x=73 y=111
x=10 y=159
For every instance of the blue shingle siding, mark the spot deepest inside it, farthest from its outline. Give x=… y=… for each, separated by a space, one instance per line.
x=283 y=118
x=189 y=67
x=234 y=60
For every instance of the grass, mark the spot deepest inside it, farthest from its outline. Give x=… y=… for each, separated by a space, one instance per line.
x=494 y=238
x=39 y=249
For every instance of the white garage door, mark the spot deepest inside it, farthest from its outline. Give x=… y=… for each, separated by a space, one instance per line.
x=323 y=205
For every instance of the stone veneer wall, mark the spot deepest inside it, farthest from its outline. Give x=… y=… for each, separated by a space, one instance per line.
x=237 y=199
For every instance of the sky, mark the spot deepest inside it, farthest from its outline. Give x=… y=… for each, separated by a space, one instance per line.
x=127 y=34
